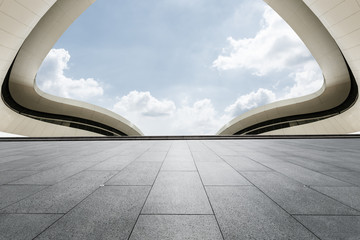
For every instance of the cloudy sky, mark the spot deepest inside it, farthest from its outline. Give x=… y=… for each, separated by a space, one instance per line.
x=179 y=67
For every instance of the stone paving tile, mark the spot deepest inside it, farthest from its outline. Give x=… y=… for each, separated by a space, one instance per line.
x=12 y=193
x=160 y=146
x=179 y=158
x=347 y=195
x=177 y=193
x=24 y=226
x=262 y=157
x=178 y=166
x=54 y=175
x=220 y=173
x=114 y=163
x=294 y=197
x=246 y=213
x=46 y=165
x=14 y=165
x=95 y=158
x=10 y=176
x=61 y=197
x=219 y=148
x=176 y=227
x=305 y=176
x=244 y=164
x=137 y=173
x=333 y=227
x=206 y=156
x=197 y=146
x=350 y=177
x=314 y=165
x=314 y=178
x=109 y=213
x=152 y=157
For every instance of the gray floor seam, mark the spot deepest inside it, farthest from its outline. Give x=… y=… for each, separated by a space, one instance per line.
x=147 y=196
x=212 y=209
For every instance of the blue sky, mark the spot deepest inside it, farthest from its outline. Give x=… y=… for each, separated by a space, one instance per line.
x=179 y=66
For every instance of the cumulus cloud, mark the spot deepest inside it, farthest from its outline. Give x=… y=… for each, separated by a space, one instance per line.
x=51 y=78
x=274 y=48
x=156 y=116
x=307 y=80
x=199 y=118
x=145 y=104
x=249 y=101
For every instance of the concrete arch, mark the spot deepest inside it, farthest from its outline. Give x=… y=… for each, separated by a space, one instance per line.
x=35 y=34
x=28 y=30
x=330 y=30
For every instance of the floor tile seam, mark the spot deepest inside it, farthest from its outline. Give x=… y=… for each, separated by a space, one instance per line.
x=103 y=170
x=63 y=215
x=273 y=201
x=179 y=170
x=345 y=204
x=254 y=171
x=207 y=195
x=276 y=171
x=130 y=185
x=15 y=169
x=46 y=187
x=2 y=213
x=338 y=178
x=147 y=196
x=317 y=170
x=280 y=207
x=252 y=160
x=176 y=214
x=292 y=143
x=239 y=186
x=232 y=168
x=13 y=184
x=134 y=160
x=66 y=177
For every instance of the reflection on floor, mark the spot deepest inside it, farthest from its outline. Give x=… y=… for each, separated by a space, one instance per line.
x=180 y=189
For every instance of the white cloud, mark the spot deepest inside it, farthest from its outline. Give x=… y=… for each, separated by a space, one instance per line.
x=145 y=104
x=307 y=80
x=249 y=101
x=274 y=48
x=154 y=116
x=199 y=118
x=51 y=78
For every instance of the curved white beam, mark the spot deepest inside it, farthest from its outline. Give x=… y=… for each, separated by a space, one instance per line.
x=56 y=18
x=304 y=18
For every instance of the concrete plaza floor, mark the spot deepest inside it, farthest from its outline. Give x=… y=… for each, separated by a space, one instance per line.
x=180 y=189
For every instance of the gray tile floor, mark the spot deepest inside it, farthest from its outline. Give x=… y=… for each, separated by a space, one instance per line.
x=180 y=189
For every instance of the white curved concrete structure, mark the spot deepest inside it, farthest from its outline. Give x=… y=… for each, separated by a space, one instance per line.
x=28 y=30
x=331 y=31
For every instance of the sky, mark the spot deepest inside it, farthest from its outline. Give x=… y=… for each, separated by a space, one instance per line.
x=179 y=67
